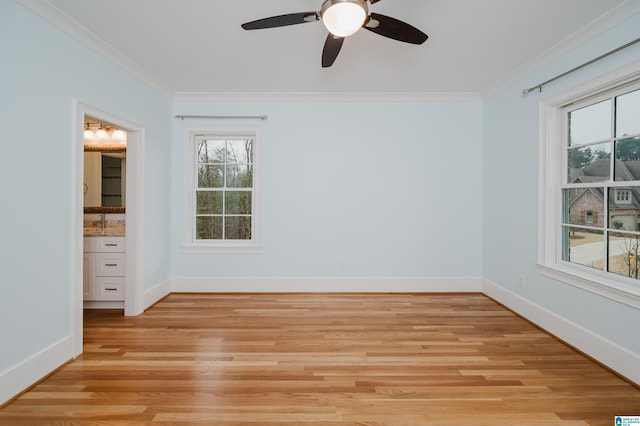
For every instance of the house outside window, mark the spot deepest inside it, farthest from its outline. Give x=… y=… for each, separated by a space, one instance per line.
x=221 y=190
x=589 y=186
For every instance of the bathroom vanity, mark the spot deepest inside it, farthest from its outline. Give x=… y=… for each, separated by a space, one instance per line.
x=104 y=267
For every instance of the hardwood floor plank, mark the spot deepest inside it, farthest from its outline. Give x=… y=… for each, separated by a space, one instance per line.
x=323 y=359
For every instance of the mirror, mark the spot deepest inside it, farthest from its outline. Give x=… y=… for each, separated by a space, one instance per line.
x=105 y=160
x=104 y=179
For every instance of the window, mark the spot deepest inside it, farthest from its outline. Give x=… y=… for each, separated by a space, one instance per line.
x=589 y=184
x=623 y=196
x=221 y=193
x=589 y=216
x=603 y=151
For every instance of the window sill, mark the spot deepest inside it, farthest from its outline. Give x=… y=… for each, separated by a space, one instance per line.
x=614 y=289
x=219 y=248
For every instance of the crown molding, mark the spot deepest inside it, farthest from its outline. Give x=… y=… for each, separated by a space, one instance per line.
x=590 y=31
x=326 y=97
x=73 y=28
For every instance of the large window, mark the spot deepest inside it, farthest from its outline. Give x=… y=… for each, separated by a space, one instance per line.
x=221 y=190
x=600 y=227
x=589 y=187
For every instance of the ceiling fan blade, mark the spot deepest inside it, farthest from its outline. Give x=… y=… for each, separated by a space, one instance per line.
x=282 y=20
x=331 y=49
x=395 y=29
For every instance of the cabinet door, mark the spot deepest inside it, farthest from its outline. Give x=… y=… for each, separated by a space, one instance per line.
x=88 y=275
x=89 y=244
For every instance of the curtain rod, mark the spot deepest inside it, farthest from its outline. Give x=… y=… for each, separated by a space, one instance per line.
x=611 y=52
x=224 y=117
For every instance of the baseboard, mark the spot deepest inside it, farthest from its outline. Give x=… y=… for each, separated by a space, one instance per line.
x=597 y=347
x=105 y=304
x=156 y=293
x=326 y=285
x=20 y=377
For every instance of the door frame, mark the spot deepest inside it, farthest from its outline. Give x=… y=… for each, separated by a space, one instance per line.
x=134 y=214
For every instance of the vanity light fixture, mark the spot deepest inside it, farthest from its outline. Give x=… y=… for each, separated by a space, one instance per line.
x=97 y=134
x=344 y=17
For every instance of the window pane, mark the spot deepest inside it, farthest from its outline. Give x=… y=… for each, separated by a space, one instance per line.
x=237 y=202
x=240 y=151
x=209 y=202
x=211 y=151
x=628 y=114
x=590 y=164
x=239 y=176
x=623 y=208
x=623 y=254
x=237 y=228
x=208 y=227
x=583 y=206
x=583 y=248
x=627 y=166
x=590 y=124
x=210 y=176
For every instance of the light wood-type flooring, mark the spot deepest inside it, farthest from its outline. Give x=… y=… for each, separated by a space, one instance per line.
x=324 y=359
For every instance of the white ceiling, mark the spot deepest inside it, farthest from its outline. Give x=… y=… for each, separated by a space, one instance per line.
x=474 y=46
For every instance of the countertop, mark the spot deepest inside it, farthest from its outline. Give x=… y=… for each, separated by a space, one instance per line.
x=104 y=232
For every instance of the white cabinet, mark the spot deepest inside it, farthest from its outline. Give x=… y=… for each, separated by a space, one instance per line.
x=104 y=268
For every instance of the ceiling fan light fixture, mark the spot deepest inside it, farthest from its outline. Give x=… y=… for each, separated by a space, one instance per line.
x=344 y=17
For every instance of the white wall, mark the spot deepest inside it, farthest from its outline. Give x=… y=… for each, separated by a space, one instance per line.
x=42 y=71
x=353 y=189
x=510 y=209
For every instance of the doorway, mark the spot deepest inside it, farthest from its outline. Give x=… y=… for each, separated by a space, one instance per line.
x=134 y=169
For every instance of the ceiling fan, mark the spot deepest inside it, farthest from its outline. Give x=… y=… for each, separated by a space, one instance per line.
x=344 y=18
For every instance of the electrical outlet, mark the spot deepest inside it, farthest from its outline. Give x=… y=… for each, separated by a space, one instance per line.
x=521 y=280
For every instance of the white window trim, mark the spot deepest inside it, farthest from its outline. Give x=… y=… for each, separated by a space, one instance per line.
x=189 y=245
x=550 y=161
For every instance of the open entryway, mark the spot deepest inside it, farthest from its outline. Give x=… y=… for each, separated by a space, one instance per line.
x=129 y=241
